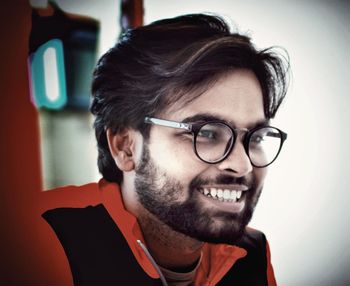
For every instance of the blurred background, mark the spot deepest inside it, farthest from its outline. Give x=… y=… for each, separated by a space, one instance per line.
x=304 y=207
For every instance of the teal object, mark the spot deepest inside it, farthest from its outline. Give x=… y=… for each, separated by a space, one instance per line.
x=48 y=76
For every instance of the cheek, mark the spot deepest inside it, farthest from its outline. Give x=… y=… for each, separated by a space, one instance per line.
x=177 y=159
x=259 y=175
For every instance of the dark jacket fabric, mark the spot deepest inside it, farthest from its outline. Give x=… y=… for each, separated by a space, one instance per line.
x=99 y=253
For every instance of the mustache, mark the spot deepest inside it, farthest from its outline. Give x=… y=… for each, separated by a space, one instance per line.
x=221 y=180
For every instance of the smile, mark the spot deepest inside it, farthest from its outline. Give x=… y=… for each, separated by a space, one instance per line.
x=223 y=195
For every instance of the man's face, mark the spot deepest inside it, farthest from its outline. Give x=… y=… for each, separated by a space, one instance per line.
x=172 y=182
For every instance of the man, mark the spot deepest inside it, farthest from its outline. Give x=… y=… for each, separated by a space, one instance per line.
x=182 y=111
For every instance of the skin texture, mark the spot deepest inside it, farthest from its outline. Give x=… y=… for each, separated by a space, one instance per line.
x=162 y=175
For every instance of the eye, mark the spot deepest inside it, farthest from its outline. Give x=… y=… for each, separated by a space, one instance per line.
x=257 y=138
x=185 y=136
x=214 y=133
x=207 y=134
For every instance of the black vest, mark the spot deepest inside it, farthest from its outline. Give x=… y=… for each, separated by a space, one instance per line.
x=99 y=255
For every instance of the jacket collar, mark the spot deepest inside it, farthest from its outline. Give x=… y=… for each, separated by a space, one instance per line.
x=217 y=258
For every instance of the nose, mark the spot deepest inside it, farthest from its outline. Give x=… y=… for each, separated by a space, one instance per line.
x=237 y=161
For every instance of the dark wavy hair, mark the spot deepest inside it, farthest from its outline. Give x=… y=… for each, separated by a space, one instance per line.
x=153 y=66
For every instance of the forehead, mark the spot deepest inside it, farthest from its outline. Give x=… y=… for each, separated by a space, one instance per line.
x=236 y=98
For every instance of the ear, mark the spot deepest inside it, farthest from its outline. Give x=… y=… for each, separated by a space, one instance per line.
x=122 y=148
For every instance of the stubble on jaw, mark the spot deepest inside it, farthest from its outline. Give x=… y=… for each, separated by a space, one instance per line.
x=166 y=217
x=156 y=231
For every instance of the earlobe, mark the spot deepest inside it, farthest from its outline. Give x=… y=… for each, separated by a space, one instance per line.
x=121 y=146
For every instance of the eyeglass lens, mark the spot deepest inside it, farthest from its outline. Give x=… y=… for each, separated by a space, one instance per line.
x=214 y=140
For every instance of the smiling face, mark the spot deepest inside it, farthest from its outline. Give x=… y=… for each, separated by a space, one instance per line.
x=209 y=202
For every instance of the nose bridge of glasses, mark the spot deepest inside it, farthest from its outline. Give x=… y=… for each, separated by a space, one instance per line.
x=237 y=159
x=240 y=134
x=240 y=147
x=241 y=131
x=239 y=138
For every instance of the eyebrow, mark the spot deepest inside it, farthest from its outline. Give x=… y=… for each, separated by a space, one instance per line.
x=205 y=117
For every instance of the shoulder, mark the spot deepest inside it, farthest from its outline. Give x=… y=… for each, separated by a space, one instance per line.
x=96 y=249
x=252 y=236
x=74 y=215
x=76 y=225
x=86 y=234
x=71 y=196
x=78 y=210
x=254 y=242
x=251 y=269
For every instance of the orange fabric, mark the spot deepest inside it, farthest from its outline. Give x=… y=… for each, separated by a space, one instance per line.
x=217 y=261
x=53 y=268
x=270 y=273
x=217 y=258
x=127 y=224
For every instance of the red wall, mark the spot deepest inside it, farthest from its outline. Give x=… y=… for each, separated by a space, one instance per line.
x=29 y=253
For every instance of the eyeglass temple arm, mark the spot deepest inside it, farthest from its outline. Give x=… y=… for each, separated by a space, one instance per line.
x=277 y=135
x=168 y=123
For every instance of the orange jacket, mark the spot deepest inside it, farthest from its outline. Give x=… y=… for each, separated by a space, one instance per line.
x=217 y=259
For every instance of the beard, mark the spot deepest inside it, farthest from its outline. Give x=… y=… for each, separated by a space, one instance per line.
x=163 y=196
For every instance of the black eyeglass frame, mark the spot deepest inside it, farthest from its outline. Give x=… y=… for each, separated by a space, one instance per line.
x=196 y=126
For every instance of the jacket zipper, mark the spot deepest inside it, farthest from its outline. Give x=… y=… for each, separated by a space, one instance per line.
x=148 y=254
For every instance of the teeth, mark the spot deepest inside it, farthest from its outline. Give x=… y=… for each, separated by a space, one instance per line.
x=222 y=195
x=233 y=195
x=227 y=194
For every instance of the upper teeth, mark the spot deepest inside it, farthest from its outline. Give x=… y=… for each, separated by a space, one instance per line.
x=223 y=194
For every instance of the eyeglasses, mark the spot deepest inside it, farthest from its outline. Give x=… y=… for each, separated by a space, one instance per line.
x=214 y=141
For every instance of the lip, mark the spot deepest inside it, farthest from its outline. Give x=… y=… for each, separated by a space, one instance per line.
x=242 y=188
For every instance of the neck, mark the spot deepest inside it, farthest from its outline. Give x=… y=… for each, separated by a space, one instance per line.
x=170 y=249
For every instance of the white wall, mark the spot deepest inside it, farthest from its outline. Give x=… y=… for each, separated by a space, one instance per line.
x=304 y=207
